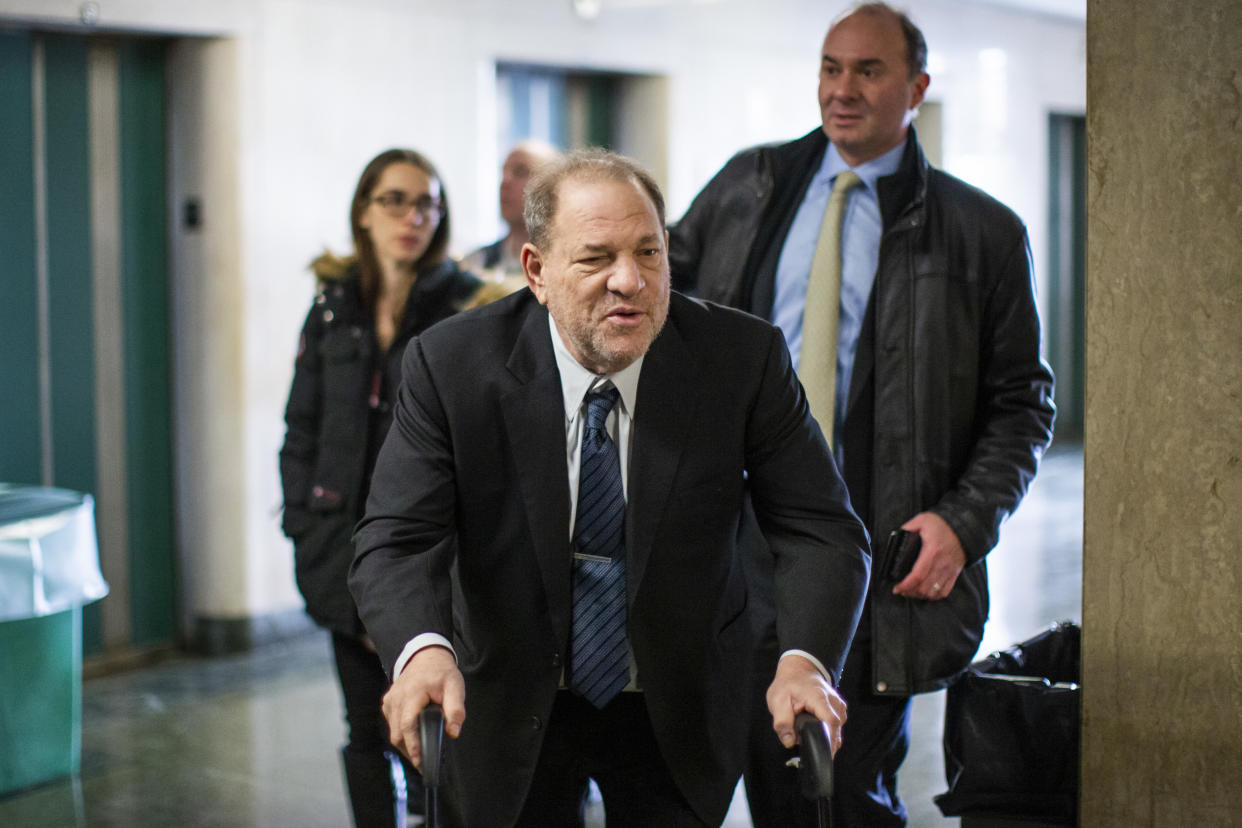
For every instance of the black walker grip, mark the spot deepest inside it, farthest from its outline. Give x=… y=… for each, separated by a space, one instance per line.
x=815 y=753
x=431 y=734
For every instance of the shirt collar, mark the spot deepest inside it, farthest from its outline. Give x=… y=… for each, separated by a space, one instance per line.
x=869 y=171
x=577 y=382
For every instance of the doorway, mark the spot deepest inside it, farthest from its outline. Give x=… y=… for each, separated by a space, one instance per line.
x=572 y=108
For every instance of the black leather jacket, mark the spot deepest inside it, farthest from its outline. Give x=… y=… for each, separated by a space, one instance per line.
x=951 y=406
x=338 y=413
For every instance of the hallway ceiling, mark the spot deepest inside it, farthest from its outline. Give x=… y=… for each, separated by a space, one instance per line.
x=1076 y=9
x=1073 y=9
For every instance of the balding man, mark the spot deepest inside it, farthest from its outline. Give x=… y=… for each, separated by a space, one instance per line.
x=907 y=301
x=502 y=259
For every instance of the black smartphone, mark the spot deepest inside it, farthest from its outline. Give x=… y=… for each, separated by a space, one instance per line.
x=900 y=553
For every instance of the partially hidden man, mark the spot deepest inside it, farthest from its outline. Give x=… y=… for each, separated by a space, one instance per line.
x=550 y=544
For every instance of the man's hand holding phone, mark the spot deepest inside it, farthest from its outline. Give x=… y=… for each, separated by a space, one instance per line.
x=939 y=558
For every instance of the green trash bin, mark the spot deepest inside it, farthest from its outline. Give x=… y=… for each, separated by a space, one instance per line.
x=49 y=568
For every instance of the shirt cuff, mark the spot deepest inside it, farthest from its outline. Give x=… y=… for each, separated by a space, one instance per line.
x=819 y=665
x=422 y=642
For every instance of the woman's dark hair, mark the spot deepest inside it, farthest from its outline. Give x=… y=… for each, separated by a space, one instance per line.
x=368 y=264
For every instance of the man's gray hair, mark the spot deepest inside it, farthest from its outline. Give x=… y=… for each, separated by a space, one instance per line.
x=591 y=165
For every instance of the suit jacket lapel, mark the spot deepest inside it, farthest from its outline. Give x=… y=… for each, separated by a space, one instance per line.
x=660 y=427
x=534 y=424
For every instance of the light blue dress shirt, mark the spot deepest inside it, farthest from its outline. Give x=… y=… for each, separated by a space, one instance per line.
x=861 y=230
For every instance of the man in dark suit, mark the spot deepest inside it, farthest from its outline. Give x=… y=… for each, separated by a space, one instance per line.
x=479 y=530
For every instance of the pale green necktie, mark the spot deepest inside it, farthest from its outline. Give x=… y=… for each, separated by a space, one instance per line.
x=817 y=367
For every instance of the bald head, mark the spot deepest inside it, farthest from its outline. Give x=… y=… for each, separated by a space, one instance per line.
x=912 y=36
x=524 y=160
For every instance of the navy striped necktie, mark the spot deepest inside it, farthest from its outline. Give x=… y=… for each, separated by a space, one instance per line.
x=598 y=654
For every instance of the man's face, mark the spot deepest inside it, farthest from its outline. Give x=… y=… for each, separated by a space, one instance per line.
x=866 y=96
x=519 y=167
x=604 y=277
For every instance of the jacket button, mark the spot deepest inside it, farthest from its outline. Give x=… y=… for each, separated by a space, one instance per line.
x=320 y=299
x=317 y=491
x=536 y=723
x=556 y=659
x=881 y=686
x=328 y=316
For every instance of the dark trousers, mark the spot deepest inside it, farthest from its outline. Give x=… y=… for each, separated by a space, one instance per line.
x=875 y=740
x=363 y=685
x=616 y=747
x=375 y=784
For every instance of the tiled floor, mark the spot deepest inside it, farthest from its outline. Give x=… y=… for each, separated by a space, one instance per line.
x=251 y=740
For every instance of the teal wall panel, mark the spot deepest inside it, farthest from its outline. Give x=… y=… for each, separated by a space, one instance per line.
x=144 y=291
x=70 y=282
x=70 y=278
x=601 y=94
x=64 y=112
x=19 y=333
x=1065 y=326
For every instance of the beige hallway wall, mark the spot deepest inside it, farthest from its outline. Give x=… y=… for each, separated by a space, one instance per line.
x=1162 y=614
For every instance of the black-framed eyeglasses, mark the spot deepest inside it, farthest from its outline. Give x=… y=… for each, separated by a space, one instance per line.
x=398 y=205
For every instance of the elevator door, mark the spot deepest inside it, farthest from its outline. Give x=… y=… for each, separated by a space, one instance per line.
x=1067 y=234
x=84 y=338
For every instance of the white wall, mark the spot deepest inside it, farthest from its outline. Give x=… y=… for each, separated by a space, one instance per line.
x=274 y=121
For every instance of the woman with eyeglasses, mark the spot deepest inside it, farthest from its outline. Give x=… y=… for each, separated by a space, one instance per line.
x=399 y=281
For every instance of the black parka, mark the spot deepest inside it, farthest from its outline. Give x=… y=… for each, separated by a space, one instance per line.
x=338 y=413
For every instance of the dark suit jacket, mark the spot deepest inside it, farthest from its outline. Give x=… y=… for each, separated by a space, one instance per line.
x=467 y=534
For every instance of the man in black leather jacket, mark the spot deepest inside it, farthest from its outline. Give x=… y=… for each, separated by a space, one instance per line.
x=940 y=426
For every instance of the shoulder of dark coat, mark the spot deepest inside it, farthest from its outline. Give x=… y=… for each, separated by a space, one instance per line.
x=446 y=279
x=508 y=310
x=948 y=192
x=465 y=283
x=810 y=144
x=766 y=165
x=337 y=278
x=713 y=321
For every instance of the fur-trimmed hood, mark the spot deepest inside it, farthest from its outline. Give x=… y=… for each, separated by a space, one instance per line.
x=329 y=267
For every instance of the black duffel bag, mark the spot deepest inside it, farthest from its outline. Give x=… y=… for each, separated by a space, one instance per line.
x=1011 y=732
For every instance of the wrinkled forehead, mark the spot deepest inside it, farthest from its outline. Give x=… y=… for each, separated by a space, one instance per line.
x=616 y=188
x=592 y=200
